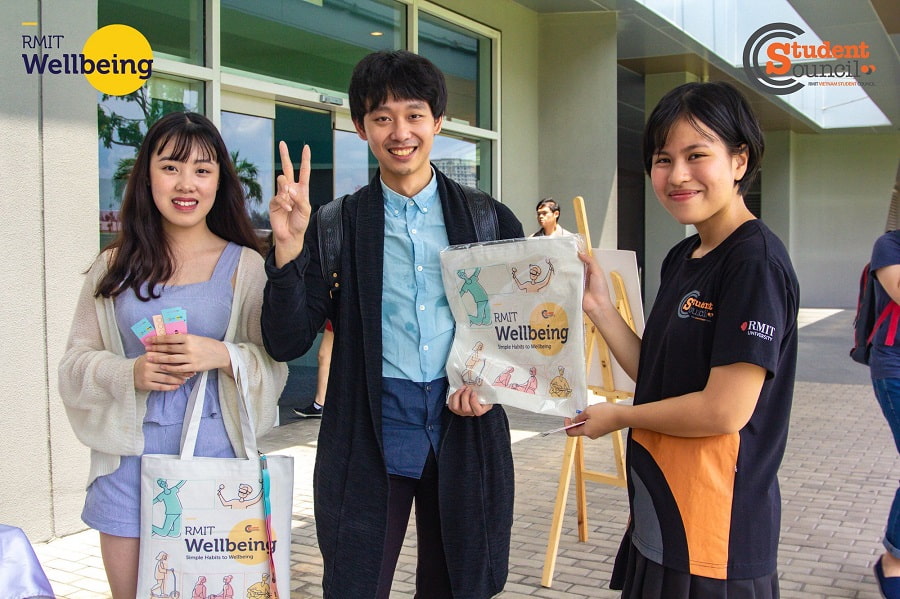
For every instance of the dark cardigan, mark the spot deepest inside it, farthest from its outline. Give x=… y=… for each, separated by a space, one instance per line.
x=350 y=481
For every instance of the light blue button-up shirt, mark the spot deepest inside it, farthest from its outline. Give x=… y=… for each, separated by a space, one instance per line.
x=416 y=323
x=417 y=329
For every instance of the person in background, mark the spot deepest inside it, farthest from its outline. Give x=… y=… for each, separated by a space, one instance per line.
x=186 y=241
x=314 y=410
x=548 y=216
x=884 y=365
x=714 y=369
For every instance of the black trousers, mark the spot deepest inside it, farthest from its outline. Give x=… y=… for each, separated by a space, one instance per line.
x=432 y=579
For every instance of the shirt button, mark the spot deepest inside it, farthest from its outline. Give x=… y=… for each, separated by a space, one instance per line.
x=424 y=209
x=419 y=268
x=428 y=387
x=430 y=427
x=424 y=348
x=411 y=202
x=413 y=231
x=422 y=307
x=396 y=212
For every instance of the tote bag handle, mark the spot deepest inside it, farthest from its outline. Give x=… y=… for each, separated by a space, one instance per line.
x=194 y=409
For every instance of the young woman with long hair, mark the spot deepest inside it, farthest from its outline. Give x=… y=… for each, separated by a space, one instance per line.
x=186 y=242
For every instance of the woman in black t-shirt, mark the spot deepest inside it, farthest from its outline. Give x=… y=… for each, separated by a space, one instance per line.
x=714 y=370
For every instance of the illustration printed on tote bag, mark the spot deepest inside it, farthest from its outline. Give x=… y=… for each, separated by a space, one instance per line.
x=530 y=385
x=171 y=527
x=471 y=286
x=536 y=282
x=241 y=502
x=539 y=279
x=559 y=385
x=504 y=377
x=199 y=591
x=260 y=590
x=227 y=589
x=471 y=376
x=163 y=575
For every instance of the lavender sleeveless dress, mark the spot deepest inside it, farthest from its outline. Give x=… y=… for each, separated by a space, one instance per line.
x=112 y=505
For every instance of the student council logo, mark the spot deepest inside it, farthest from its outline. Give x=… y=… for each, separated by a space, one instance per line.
x=692 y=306
x=775 y=62
x=115 y=60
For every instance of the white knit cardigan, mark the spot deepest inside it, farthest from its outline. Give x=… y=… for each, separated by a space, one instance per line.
x=96 y=380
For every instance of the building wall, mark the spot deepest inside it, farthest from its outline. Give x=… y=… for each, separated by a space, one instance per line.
x=577 y=120
x=841 y=193
x=778 y=184
x=519 y=63
x=26 y=469
x=661 y=231
x=48 y=237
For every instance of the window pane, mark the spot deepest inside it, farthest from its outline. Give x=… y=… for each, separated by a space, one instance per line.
x=296 y=126
x=300 y=41
x=466 y=161
x=465 y=59
x=354 y=164
x=122 y=124
x=250 y=140
x=459 y=159
x=173 y=27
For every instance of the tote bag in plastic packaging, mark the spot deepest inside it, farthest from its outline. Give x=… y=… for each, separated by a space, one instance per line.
x=519 y=330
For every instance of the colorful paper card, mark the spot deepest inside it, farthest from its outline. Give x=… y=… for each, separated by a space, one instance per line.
x=175 y=320
x=143 y=330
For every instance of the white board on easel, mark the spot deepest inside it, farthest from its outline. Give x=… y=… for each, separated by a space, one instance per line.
x=625 y=263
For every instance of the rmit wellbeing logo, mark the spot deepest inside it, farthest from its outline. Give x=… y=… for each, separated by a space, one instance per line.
x=116 y=59
x=771 y=61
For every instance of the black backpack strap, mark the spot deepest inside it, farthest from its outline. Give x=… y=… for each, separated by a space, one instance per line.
x=331 y=237
x=484 y=214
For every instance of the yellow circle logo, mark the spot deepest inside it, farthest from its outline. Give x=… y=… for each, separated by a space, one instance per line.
x=247 y=542
x=549 y=328
x=117 y=60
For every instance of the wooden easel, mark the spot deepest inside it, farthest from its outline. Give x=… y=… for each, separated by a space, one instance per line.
x=573 y=455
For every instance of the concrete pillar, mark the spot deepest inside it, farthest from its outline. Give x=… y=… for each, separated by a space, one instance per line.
x=577 y=108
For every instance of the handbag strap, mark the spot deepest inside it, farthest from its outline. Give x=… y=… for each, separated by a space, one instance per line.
x=194 y=410
x=267 y=511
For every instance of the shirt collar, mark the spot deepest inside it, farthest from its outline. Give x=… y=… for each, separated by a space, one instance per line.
x=423 y=200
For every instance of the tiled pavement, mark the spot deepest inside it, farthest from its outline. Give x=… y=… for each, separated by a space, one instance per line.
x=838 y=478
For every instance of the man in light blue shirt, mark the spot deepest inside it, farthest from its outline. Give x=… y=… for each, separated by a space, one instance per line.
x=416 y=328
x=390 y=436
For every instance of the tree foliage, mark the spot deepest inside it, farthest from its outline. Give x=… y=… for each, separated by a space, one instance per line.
x=115 y=129
x=248 y=174
x=118 y=130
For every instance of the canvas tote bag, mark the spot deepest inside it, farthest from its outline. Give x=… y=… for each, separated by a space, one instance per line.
x=222 y=525
x=519 y=336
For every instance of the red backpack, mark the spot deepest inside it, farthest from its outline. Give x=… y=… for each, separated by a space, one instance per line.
x=866 y=323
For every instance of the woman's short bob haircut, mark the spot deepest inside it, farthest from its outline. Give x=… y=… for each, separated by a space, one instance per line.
x=399 y=74
x=720 y=108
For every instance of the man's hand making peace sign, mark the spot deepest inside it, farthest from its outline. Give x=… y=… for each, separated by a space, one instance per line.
x=289 y=210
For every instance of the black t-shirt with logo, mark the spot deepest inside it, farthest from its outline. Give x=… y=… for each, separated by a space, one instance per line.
x=711 y=506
